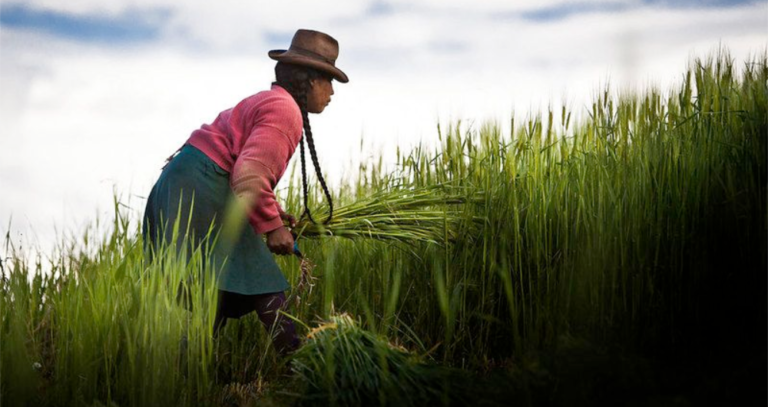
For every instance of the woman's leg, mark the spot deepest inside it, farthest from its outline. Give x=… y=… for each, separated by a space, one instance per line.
x=229 y=305
x=267 y=306
x=280 y=328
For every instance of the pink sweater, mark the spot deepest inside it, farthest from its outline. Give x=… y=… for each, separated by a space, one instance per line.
x=254 y=141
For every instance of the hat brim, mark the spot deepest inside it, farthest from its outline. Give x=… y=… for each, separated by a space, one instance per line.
x=290 y=57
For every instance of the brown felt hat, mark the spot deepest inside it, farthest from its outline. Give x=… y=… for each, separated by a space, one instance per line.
x=313 y=49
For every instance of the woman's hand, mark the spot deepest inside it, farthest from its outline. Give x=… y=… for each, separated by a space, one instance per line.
x=280 y=241
x=287 y=217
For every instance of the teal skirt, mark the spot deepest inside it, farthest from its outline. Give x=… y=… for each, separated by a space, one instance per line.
x=246 y=266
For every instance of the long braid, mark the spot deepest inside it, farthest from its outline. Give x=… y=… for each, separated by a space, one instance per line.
x=295 y=80
x=313 y=154
x=304 y=180
x=300 y=95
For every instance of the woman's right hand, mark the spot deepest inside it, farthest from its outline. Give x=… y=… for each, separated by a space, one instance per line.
x=280 y=241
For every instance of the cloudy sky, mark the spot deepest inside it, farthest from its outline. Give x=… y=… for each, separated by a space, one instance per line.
x=94 y=94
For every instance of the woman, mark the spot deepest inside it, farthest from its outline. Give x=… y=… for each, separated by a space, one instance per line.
x=240 y=157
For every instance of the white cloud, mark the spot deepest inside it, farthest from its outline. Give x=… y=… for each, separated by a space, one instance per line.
x=78 y=118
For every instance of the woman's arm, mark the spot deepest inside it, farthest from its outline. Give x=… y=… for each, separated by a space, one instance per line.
x=253 y=179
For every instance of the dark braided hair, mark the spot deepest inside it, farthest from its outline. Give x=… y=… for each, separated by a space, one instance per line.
x=296 y=80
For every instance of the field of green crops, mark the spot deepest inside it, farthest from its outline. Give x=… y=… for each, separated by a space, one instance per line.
x=613 y=256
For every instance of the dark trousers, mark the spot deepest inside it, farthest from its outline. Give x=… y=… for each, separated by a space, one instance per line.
x=267 y=306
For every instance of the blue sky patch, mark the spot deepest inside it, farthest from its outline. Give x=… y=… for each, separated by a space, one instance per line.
x=561 y=11
x=565 y=10
x=131 y=26
x=380 y=8
x=278 y=39
x=699 y=3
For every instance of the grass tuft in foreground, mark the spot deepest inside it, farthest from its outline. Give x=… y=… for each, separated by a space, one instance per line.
x=343 y=364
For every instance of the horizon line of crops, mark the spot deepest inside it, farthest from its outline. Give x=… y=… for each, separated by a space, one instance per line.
x=644 y=226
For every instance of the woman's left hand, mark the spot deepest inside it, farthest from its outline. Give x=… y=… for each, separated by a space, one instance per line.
x=287 y=217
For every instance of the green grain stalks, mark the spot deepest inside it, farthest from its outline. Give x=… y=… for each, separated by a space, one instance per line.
x=640 y=223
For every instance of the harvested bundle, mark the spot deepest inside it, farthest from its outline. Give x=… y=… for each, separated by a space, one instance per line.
x=343 y=364
x=430 y=214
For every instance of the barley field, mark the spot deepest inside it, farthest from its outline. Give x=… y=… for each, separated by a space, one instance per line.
x=613 y=256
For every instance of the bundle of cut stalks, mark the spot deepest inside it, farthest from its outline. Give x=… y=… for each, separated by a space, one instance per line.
x=345 y=365
x=431 y=214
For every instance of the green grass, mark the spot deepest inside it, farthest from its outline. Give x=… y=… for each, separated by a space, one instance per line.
x=639 y=226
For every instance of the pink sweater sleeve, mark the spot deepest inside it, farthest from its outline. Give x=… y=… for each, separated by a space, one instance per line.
x=262 y=161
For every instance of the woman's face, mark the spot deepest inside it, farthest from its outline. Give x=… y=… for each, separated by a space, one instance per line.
x=319 y=95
